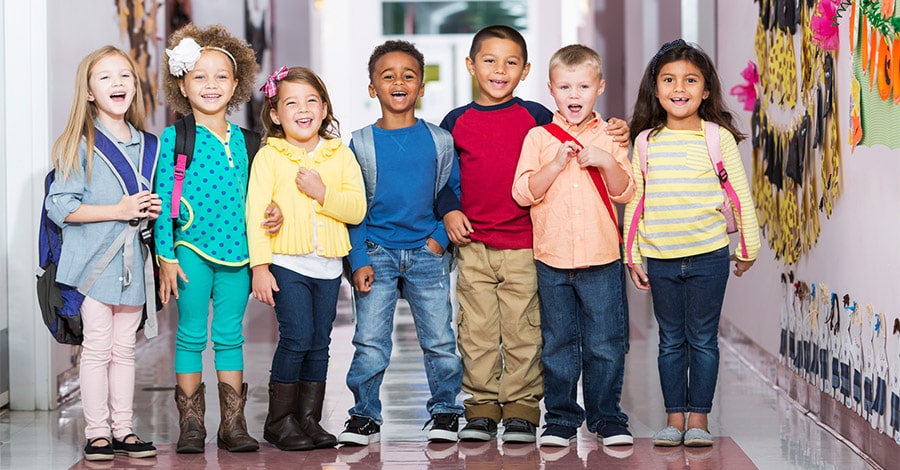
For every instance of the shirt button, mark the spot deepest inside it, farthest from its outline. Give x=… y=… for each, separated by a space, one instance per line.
x=578 y=237
x=575 y=185
x=577 y=211
x=321 y=224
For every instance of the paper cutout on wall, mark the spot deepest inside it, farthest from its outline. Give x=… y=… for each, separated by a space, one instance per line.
x=137 y=22
x=876 y=72
x=796 y=145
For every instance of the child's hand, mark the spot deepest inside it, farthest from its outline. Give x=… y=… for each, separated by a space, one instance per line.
x=155 y=207
x=434 y=246
x=134 y=206
x=273 y=218
x=168 y=280
x=458 y=227
x=619 y=131
x=639 y=278
x=363 y=278
x=740 y=267
x=566 y=151
x=264 y=284
x=594 y=156
x=311 y=183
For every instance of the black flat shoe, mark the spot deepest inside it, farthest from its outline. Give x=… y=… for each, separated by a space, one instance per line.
x=94 y=452
x=137 y=449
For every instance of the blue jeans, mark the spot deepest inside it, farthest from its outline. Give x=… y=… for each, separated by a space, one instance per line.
x=584 y=325
x=687 y=301
x=305 y=308
x=424 y=278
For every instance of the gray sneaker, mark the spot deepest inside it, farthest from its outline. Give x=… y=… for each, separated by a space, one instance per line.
x=518 y=431
x=669 y=436
x=696 y=437
x=479 y=429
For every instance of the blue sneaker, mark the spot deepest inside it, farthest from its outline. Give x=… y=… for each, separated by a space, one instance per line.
x=696 y=437
x=615 y=434
x=669 y=436
x=557 y=435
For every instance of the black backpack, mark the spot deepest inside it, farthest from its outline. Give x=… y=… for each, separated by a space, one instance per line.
x=185 y=133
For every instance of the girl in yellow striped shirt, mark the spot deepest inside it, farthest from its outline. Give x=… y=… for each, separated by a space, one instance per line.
x=682 y=232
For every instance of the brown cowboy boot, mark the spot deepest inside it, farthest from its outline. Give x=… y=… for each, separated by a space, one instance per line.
x=192 y=436
x=233 y=435
x=310 y=396
x=282 y=428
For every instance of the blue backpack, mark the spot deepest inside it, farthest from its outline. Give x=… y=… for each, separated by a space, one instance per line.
x=61 y=304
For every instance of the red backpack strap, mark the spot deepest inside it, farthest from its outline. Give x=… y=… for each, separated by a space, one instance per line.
x=564 y=136
x=714 y=149
x=640 y=145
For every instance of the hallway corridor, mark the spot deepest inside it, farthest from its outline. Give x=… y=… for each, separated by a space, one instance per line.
x=755 y=425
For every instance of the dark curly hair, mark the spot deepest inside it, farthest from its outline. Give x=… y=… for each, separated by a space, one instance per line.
x=396 y=45
x=212 y=36
x=330 y=128
x=648 y=113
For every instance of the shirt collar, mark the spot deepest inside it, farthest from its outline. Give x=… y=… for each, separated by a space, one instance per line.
x=325 y=149
x=595 y=124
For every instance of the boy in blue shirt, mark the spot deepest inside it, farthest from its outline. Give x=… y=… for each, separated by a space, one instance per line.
x=401 y=246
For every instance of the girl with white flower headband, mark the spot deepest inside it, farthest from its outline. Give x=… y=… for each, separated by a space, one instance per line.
x=306 y=169
x=202 y=251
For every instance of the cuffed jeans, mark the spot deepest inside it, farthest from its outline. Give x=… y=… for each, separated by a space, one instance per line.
x=584 y=324
x=425 y=279
x=687 y=302
x=305 y=308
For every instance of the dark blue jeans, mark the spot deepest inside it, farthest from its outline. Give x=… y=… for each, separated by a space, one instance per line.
x=687 y=301
x=305 y=308
x=584 y=326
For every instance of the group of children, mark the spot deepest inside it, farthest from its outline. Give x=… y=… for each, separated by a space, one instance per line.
x=520 y=196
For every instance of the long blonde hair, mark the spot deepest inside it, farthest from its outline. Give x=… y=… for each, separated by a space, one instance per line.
x=81 y=117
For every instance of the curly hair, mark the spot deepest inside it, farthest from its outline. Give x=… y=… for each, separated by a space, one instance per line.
x=396 y=45
x=212 y=36
x=648 y=113
x=330 y=128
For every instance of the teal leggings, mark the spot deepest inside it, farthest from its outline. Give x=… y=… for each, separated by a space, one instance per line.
x=229 y=288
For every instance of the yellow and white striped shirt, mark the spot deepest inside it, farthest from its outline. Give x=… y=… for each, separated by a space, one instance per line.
x=682 y=207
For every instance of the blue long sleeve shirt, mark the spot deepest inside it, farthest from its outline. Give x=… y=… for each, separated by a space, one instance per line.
x=401 y=215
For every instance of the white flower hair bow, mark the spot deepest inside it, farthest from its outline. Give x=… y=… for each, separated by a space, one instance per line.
x=183 y=57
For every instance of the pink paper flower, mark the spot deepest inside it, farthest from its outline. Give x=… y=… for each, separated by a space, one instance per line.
x=746 y=92
x=824 y=25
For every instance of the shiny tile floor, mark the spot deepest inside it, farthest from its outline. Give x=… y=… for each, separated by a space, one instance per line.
x=755 y=425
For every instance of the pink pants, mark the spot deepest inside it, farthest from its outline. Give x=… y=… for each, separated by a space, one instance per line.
x=107 y=367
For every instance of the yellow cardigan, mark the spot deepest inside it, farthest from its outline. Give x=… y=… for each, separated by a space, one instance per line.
x=272 y=178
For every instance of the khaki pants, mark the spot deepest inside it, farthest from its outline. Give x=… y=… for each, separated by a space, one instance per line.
x=499 y=333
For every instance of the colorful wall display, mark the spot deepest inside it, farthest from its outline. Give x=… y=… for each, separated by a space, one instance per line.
x=794 y=125
x=875 y=87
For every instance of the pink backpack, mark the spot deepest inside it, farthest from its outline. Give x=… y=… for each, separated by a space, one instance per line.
x=730 y=205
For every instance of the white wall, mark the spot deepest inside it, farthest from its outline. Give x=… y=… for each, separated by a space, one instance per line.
x=856 y=253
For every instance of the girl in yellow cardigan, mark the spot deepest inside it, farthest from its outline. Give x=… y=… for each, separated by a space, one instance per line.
x=317 y=182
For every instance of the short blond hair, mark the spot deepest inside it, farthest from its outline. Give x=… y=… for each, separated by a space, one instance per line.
x=575 y=55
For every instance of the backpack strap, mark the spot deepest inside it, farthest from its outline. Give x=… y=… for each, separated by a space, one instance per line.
x=252 y=140
x=185 y=133
x=443 y=143
x=364 y=149
x=640 y=145
x=594 y=173
x=714 y=148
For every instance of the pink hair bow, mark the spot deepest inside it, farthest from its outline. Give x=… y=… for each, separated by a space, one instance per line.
x=270 y=88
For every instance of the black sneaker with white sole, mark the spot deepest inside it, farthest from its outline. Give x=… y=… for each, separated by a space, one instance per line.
x=444 y=427
x=518 y=431
x=360 y=431
x=479 y=429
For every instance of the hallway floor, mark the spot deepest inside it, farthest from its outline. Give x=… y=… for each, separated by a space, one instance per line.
x=755 y=425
